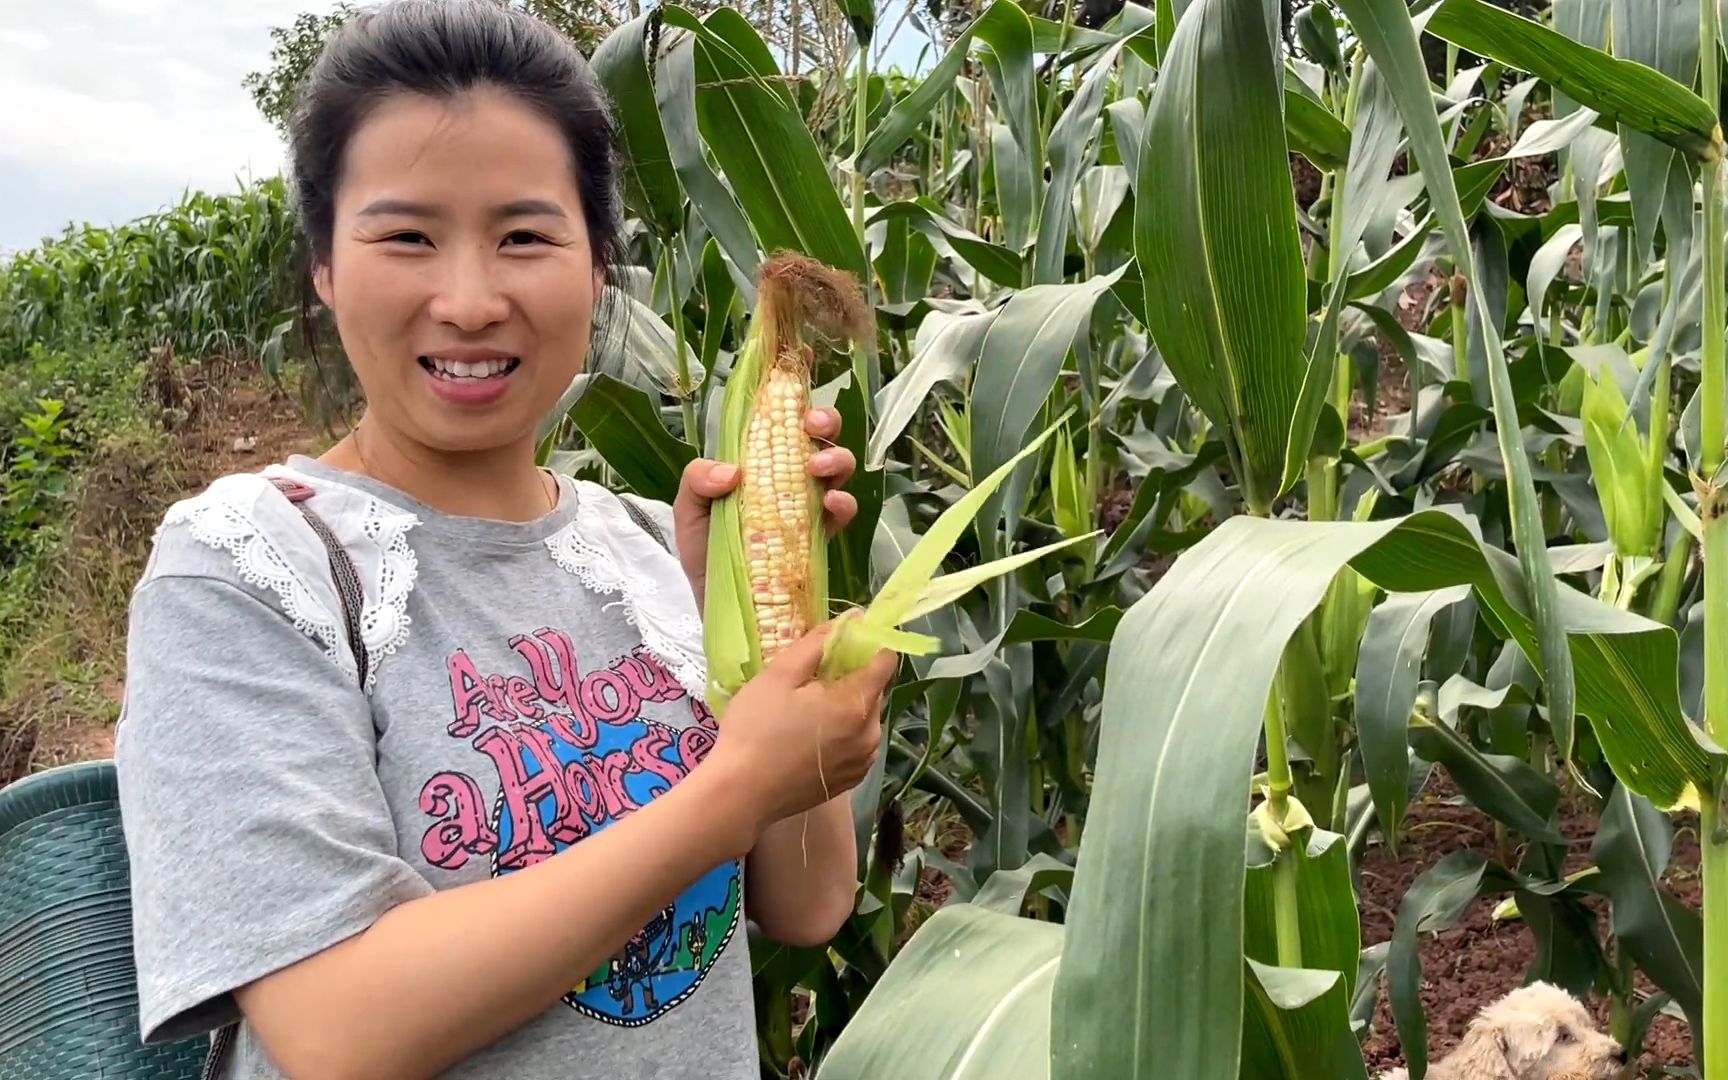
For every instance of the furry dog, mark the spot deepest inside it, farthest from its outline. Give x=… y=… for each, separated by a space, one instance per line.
x=1538 y=1032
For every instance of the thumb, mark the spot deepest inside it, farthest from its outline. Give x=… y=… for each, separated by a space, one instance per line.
x=797 y=662
x=705 y=480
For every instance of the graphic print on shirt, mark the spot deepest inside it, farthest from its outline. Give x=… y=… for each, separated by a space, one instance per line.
x=573 y=755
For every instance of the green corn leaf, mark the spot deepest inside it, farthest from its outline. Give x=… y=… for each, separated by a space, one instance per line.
x=1298 y=1026
x=1019 y=146
x=1016 y=186
x=1024 y=349
x=906 y=263
x=945 y=350
x=861 y=17
x=623 y=425
x=1007 y=890
x=719 y=294
x=1632 y=847
x=1545 y=268
x=651 y=185
x=1190 y=668
x=1505 y=788
x=1435 y=902
x=1390 y=38
x=857 y=638
x=992 y=260
x=763 y=145
x=675 y=97
x=1066 y=150
x=1331 y=929
x=1000 y=22
x=1215 y=226
x=968 y=999
x=1621 y=90
x=1312 y=129
x=1663 y=35
x=1387 y=674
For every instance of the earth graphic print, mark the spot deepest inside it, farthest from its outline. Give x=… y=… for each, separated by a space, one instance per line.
x=573 y=755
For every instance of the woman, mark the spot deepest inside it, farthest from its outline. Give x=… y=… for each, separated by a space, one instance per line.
x=502 y=837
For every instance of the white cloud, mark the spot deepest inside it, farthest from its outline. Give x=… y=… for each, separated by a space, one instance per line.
x=126 y=103
x=114 y=107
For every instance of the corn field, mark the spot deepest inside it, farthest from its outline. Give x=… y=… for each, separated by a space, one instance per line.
x=1353 y=376
x=1382 y=350
x=211 y=274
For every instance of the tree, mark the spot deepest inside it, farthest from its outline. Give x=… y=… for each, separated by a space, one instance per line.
x=296 y=47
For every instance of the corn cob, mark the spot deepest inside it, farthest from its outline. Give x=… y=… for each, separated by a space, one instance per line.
x=767 y=578
x=767 y=551
x=778 y=502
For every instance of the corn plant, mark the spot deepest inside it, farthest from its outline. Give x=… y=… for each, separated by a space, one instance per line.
x=210 y=275
x=1497 y=582
x=1257 y=420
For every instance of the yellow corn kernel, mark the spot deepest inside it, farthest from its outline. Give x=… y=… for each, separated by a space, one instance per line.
x=776 y=503
x=767 y=581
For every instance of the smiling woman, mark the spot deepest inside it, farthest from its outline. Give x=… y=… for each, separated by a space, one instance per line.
x=416 y=771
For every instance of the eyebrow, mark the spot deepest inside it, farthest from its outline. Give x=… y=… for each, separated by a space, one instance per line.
x=409 y=208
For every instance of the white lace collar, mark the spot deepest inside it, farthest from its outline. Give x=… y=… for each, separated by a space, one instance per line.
x=610 y=554
x=274 y=548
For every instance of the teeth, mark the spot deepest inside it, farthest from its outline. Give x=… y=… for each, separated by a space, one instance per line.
x=478 y=369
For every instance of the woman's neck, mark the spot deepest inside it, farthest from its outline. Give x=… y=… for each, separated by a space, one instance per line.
x=502 y=484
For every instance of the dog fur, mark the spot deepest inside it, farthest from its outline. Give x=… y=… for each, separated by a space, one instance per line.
x=1538 y=1032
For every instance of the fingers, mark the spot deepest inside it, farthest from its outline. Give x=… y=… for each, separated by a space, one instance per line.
x=823 y=424
x=871 y=681
x=834 y=466
x=841 y=508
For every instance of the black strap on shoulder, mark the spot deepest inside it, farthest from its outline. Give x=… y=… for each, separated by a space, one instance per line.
x=643 y=521
x=347 y=580
x=342 y=569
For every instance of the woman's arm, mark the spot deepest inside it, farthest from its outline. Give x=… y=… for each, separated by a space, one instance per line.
x=439 y=977
x=802 y=878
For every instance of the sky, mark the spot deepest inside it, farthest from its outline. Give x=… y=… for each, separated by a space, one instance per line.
x=115 y=107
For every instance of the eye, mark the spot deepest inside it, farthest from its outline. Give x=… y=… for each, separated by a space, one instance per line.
x=522 y=236
x=414 y=238
x=1566 y=1037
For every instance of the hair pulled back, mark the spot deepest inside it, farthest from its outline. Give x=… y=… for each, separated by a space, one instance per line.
x=440 y=49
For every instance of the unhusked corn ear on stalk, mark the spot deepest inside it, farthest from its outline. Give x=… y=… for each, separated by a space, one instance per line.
x=767 y=581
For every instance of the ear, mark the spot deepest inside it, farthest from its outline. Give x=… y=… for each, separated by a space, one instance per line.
x=599 y=284
x=322 y=286
x=1525 y=1044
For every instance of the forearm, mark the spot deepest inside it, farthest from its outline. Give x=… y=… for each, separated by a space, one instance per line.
x=802 y=876
x=440 y=977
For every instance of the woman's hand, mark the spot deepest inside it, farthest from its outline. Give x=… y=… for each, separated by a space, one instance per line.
x=706 y=480
x=800 y=740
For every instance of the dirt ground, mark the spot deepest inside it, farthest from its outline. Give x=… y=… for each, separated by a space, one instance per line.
x=1480 y=959
x=221 y=420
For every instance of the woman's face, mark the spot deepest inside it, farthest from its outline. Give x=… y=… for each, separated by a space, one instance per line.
x=460 y=272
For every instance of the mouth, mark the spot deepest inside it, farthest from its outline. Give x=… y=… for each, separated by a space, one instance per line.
x=469 y=372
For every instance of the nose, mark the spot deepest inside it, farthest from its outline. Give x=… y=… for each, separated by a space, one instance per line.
x=1620 y=1055
x=467 y=296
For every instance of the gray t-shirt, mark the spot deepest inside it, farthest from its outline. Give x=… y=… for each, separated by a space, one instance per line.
x=530 y=684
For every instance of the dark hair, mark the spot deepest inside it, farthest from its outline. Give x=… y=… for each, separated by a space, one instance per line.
x=441 y=48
